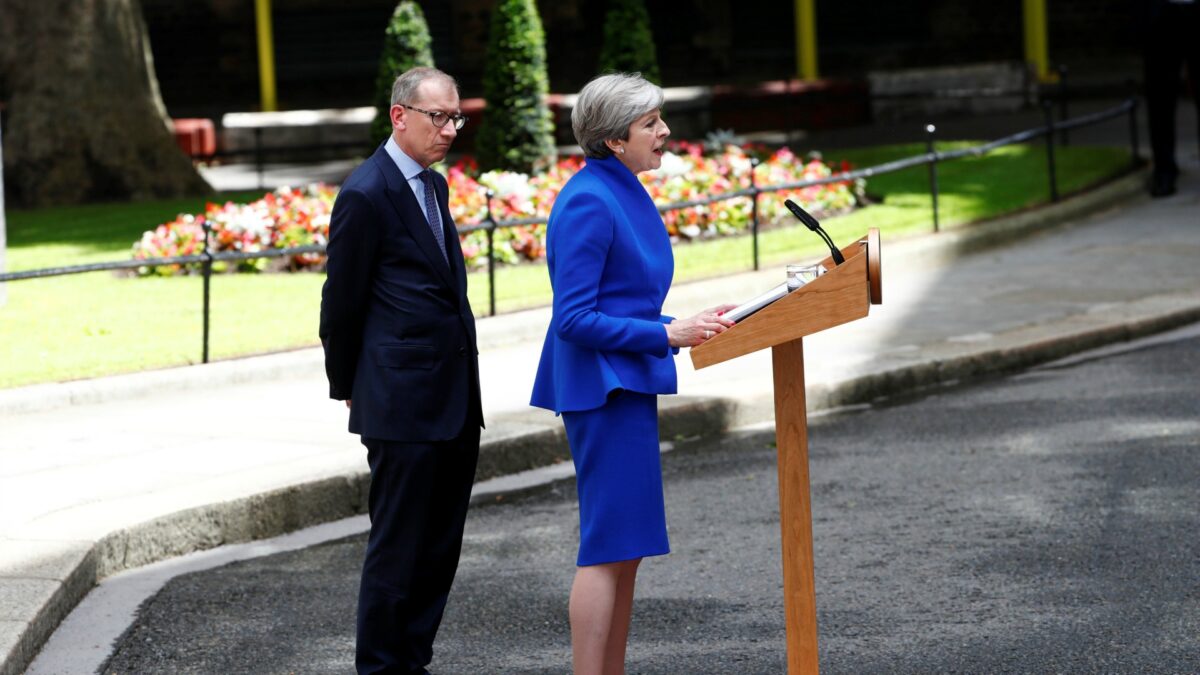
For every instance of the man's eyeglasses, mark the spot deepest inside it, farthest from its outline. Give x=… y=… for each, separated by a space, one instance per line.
x=439 y=119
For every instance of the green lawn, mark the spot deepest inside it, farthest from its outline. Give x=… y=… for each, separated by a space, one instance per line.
x=99 y=323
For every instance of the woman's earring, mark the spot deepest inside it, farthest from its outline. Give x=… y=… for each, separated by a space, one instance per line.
x=621 y=150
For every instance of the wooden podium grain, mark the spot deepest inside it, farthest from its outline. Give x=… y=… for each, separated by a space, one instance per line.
x=843 y=294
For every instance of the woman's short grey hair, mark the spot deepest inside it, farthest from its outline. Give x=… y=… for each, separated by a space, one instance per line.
x=404 y=89
x=606 y=108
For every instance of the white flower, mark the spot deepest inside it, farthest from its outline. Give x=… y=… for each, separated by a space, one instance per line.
x=252 y=221
x=673 y=165
x=739 y=165
x=506 y=183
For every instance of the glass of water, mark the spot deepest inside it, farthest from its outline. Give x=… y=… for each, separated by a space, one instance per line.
x=798 y=275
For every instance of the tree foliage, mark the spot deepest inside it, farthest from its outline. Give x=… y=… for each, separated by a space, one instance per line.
x=628 y=41
x=517 y=133
x=406 y=45
x=85 y=121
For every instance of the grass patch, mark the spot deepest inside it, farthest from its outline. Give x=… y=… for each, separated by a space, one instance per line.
x=99 y=323
x=77 y=235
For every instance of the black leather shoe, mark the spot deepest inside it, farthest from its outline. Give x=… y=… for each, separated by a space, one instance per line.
x=1162 y=185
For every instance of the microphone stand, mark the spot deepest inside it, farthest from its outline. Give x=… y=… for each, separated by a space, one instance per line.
x=812 y=224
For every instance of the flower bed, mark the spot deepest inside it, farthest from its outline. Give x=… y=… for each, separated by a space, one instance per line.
x=281 y=219
x=294 y=217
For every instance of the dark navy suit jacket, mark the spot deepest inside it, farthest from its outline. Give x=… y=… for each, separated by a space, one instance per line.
x=610 y=265
x=398 y=332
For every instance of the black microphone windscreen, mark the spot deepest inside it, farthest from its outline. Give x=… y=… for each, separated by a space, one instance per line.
x=809 y=222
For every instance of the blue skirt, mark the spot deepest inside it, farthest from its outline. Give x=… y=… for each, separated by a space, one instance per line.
x=618 y=472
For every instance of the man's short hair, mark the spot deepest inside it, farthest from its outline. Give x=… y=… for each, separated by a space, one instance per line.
x=404 y=89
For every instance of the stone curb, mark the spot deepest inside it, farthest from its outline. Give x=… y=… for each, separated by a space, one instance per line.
x=949 y=243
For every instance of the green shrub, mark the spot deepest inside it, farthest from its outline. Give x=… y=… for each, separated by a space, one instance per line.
x=406 y=44
x=628 y=41
x=517 y=133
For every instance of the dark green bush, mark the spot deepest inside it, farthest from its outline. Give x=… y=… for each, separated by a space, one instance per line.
x=517 y=133
x=406 y=44
x=628 y=41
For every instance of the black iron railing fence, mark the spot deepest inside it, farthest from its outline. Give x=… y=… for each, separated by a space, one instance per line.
x=932 y=157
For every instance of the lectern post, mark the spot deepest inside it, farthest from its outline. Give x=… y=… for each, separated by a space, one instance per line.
x=795 y=506
x=842 y=295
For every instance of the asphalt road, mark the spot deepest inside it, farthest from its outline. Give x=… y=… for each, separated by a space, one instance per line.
x=1045 y=522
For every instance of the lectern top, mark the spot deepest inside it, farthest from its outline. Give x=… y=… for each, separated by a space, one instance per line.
x=841 y=295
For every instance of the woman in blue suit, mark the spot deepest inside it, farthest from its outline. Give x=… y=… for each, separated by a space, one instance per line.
x=608 y=354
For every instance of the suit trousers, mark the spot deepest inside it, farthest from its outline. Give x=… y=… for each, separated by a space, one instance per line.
x=418 y=507
x=1173 y=39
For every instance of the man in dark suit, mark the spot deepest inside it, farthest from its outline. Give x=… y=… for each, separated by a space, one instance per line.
x=1171 y=38
x=399 y=340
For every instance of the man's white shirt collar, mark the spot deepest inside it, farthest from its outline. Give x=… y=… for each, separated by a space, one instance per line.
x=407 y=165
x=411 y=171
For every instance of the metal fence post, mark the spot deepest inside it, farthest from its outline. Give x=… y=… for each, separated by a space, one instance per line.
x=3 y=226
x=933 y=180
x=1135 y=152
x=754 y=209
x=1049 y=114
x=491 y=238
x=258 y=155
x=1062 y=102
x=206 y=270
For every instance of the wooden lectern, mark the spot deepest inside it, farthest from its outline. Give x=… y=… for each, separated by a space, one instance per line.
x=844 y=293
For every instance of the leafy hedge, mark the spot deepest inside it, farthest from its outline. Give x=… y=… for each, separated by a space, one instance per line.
x=517 y=133
x=628 y=41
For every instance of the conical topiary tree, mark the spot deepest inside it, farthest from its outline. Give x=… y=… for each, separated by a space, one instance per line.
x=406 y=44
x=517 y=133
x=628 y=41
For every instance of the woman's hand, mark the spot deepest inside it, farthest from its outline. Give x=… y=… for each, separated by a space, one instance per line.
x=696 y=329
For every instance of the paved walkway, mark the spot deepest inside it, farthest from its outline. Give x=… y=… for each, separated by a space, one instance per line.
x=101 y=476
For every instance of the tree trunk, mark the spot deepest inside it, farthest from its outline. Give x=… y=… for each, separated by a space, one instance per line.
x=85 y=120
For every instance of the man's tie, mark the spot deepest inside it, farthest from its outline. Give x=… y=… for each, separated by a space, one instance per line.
x=431 y=210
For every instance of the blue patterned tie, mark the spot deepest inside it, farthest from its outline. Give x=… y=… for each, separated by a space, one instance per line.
x=431 y=211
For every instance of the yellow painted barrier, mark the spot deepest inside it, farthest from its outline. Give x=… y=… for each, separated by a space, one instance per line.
x=266 y=55
x=1037 y=52
x=806 y=39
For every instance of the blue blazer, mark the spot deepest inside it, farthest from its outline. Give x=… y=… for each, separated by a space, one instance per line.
x=610 y=265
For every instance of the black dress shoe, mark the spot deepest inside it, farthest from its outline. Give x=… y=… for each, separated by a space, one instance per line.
x=1162 y=185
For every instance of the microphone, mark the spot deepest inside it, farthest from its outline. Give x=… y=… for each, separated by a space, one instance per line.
x=812 y=224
